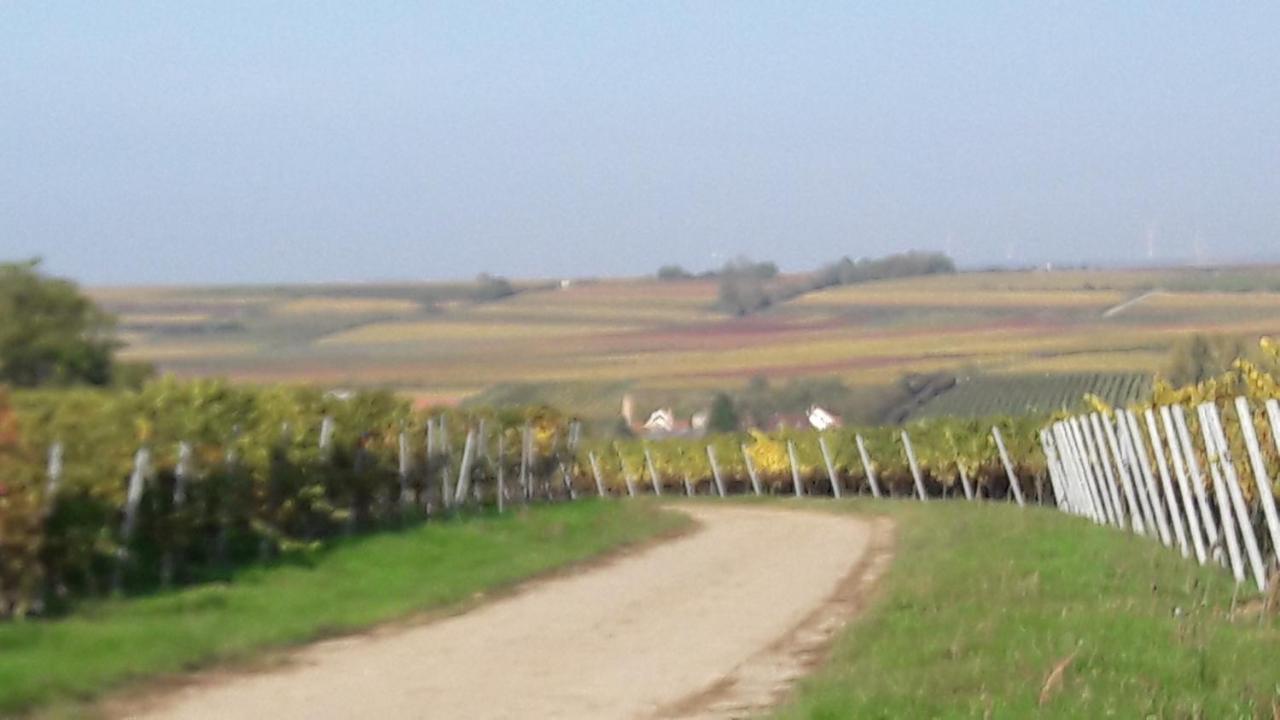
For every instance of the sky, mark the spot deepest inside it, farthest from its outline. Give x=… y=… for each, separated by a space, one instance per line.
x=213 y=142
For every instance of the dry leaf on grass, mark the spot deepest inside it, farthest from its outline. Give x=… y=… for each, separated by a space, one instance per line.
x=1053 y=682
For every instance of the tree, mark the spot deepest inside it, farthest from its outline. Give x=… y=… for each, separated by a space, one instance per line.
x=491 y=287
x=1194 y=359
x=673 y=272
x=723 y=417
x=50 y=333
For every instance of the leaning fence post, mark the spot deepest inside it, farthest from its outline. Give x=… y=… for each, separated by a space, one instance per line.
x=1210 y=422
x=1055 y=471
x=1008 y=467
x=526 y=442
x=915 y=467
x=653 y=472
x=1260 y=475
x=1180 y=472
x=715 y=470
x=464 y=470
x=831 y=467
x=688 y=486
x=1142 y=476
x=404 y=467
x=964 y=481
x=868 y=467
x=1091 y=426
x=595 y=472
x=53 y=478
x=795 y=469
x=626 y=473
x=133 y=497
x=502 y=478
x=1166 y=482
x=1123 y=472
x=751 y=469
x=1197 y=479
x=1092 y=476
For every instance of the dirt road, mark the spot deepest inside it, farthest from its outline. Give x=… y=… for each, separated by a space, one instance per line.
x=712 y=624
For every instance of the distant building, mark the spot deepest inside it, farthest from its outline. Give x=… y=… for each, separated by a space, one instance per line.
x=662 y=420
x=822 y=419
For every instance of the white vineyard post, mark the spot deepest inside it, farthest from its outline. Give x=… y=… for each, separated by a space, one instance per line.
x=571 y=447
x=1260 y=475
x=715 y=470
x=688 y=486
x=1089 y=498
x=1008 y=467
x=1092 y=476
x=405 y=467
x=1198 y=481
x=595 y=472
x=1222 y=499
x=653 y=472
x=1124 y=472
x=1180 y=472
x=915 y=467
x=1093 y=428
x=1210 y=422
x=526 y=440
x=795 y=469
x=831 y=467
x=1055 y=472
x=1166 y=483
x=964 y=481
x=133 y=497
x=53 y=478
x=464 y=470
x=867 y=466
x=1146 y=488
x=326 y=434
x=502 y=477
x=627 y=477
x=1068 y=499
x=1088 y=457
x=751 y=470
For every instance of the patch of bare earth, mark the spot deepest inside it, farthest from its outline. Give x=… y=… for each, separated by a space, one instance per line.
x=717 y=623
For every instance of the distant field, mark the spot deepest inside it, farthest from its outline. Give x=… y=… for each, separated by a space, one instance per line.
x=441 y=344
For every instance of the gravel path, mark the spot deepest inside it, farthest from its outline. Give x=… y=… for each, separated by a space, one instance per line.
x=715 y=623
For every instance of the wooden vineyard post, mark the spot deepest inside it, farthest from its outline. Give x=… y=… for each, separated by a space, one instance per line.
x=464 y=470
x=181 y=476
x=627 y=477
x=832 y=475
x=1082 y=501
x=1197 y=479
x=1180 y=472
x=1093 y=429
x=688 y=486
x=1008 y=467
x=526 y=442
x=1093 y=478
x=595 y=472
x=795 y=469
x=404 y=468
x=653 y=472
x=751 y=469
x=964 y=481
x=1126 y=478
x=1226 y=515
x=133 y=497
x=715 y=470
x=1055 y=471
x=502 y=478
x=1141 y=468
x=868 y=467
x=1175 y=518
x=53 y=479
x=571 y=446
x=1217 y=442
x=915 y=466
x=1261 y=478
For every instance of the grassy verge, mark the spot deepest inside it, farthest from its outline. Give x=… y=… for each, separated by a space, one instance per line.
x=983 y=602
x=352 y=586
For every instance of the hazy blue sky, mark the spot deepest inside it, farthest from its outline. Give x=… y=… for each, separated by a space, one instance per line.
x=260 y=141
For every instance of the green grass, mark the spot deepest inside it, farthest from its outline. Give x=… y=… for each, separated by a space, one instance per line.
x=352 y=586
x=981 y=602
